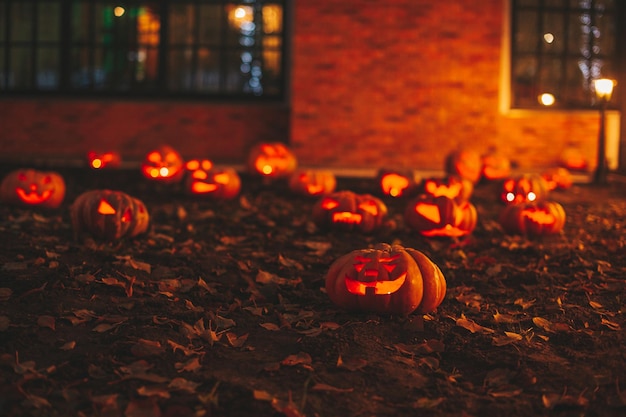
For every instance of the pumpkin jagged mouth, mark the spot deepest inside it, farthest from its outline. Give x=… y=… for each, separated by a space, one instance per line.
x=377 y=287
x=347 y=217
x=33 y=197
x=201 y=187
x=448 y=230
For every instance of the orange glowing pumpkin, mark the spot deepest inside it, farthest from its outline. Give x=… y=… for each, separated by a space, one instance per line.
x=163 y=164
x=401 y=183
x=465 y=163
x=496 y=165
x=557 y=178
x=386 y=280
x=573 y=158
x=272 y=160
x=533 y=218
x=348 y=210
x=523 y=188
x=312 y=182
x=451 y=186
x=31 y=187
x=101 y=160
x=205 y=179
x=109 y=215
x=440 y=216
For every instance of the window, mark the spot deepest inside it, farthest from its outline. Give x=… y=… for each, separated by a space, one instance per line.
x=558 y=47
x=204 y=48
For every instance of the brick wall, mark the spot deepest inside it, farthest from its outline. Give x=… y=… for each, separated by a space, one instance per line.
x=403 y=82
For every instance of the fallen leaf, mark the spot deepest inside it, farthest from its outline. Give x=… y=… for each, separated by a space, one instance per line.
x=330 y=388
x=472 y=326
x=301 y=358
x=351 y=364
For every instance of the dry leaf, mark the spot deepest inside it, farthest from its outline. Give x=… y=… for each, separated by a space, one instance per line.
x=46 y=321
x=330 y=388
x=472 y=326
x=351 y=364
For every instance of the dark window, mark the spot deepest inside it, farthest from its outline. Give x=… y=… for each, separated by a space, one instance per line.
x=204 y=48
x=559 y=47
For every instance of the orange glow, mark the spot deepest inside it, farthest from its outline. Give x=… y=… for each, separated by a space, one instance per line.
x=105 y=208
x=33 y=197
x=203 y=188
x=429 y=211
x=369 y=207
x=329 y=204
x=377 y=287
x=347 y=217
x=394 y=184
x=539 y=216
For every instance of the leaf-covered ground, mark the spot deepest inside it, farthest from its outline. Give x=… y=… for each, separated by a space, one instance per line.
x=219 y=311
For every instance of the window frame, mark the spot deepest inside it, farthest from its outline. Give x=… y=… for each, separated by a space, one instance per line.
x=160 y=88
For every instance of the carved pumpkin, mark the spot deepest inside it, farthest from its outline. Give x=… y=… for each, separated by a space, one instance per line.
x=109 y=215
x=465 y=163
x=272 y=160
x=527 y=187
x=398 y=183
x=440 y=216
x=573 y=158
x=533 y=218
x=101 y=160
x=30 y=187
x=496 y=166
x=163 y=164
x=451 y=186
x=207 y=180
x=387 y=280
x=312 y=182
x=350 y=211
x=557 y=178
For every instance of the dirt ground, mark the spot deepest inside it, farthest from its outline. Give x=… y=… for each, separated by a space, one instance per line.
x=220 y=311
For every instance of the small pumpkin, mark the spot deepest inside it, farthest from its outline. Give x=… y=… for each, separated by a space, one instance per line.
x=101 y=160
x=312 y=182
x=573 y=158
x=109 y=214
x=557 y=178
x=163 y=164
x=398 y=183
x=495 y=165
x=526 y=187
x=465 y=163
x=272 y=160
x=535 y=218
x=451 y=186
x=207 y=180
x=440 y=216
x=349 y=210
x=386 y=279
x=31 y=187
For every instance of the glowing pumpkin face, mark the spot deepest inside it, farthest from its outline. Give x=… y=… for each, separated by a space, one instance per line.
x=30 y=187
x=271 y=160
x=386 y=279
x=529 y=187
x=440 y=216
x=495 y=166
x=163 y=164
x=557 y=178
x=312 y=182
x=108 y=215
x=396 y=183
x=351 y=211
x=573 y=158
x=205 y=179
x=465 y=163
x=101 y=160
x=451 y=186
x=533 y=218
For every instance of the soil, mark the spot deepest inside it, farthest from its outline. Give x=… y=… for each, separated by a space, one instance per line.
x=219 y=310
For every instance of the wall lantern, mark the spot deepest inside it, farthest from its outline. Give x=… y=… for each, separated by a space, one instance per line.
x=604 y=90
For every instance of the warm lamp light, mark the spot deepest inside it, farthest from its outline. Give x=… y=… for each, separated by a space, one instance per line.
x=604 y=89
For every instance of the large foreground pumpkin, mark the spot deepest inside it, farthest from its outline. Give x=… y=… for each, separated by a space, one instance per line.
x=386 y=279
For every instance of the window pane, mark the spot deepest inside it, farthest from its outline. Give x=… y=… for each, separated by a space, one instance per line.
x=554 y=33
x=21 y=21
x=48 y=68
x=21 y=70
x=526 y=34
x=48 y=23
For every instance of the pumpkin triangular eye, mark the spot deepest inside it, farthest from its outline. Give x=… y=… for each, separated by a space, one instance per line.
x=154 y=157
x=21 y=176
x=369 y=207
x=221 y=178
x=192 y=165
x=105 y=208
x=199 y=175
x=128 y=215
x=329 y=204
x=429 y=211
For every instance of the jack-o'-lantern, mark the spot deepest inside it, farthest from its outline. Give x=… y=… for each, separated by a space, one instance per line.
x=398 y=183
x=573 y=158
x=272 y=160
x=349 y=211
x=101 y=160
x=465 y=163
x=440 y=216
x=31 y=187
x=207 y=180
x=533 y=218
x=312 y=182
x=163 y=164
x=386 y=280
x=527 y=187
x=557 y=178
x=496 y=165
x=109 y=214
x=451 y=186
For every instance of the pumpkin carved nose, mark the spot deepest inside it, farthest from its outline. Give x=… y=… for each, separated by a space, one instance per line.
x=371 y=273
